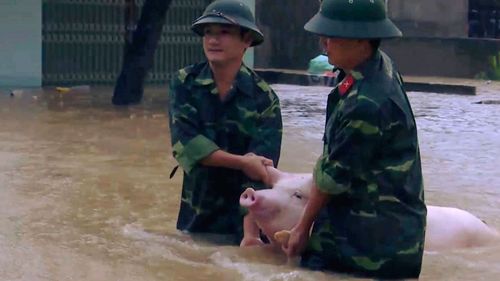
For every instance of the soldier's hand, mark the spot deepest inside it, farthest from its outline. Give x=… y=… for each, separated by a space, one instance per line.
x=254 y=167
x=297 y=241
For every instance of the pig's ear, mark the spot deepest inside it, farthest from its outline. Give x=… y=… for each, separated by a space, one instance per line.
x=274 y=175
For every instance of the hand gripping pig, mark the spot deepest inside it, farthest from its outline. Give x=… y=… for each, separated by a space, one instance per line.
x=277 y=210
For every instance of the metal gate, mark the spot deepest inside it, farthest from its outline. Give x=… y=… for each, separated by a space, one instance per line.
x=83 y=41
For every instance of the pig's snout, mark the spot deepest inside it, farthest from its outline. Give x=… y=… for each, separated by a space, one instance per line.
x=248 y=198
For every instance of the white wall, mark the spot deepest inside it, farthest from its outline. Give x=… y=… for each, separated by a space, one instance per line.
x=430 y=18
x=20 y=43
x=249 y=55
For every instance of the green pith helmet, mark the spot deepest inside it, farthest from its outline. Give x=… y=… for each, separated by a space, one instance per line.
x=232 y=12
x=355 y=19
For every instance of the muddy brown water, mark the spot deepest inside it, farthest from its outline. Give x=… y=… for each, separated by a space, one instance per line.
x=85 y=193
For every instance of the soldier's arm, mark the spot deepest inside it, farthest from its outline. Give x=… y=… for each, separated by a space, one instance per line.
x=353 y=145
x=189 y=146
x=254 y=166
x=299 y=235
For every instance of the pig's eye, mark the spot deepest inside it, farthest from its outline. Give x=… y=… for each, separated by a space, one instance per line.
x=297 y=195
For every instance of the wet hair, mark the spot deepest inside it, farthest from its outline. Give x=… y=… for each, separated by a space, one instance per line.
x=244 y=31
x=375 y=43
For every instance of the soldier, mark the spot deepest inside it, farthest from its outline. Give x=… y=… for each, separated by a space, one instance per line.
x=225 y=123
x=368 y=201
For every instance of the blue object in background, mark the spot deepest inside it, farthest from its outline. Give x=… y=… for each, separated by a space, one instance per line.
x=319 y=65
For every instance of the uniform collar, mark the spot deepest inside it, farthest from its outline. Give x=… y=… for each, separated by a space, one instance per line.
x=204 y=77
x=365 y=69
x=368 y=67
x=243 y=81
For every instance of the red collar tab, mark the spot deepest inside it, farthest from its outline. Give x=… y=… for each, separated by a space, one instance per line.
x=346 y=84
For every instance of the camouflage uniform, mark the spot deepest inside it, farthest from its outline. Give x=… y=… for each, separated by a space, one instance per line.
x=248 y=120
x=374 y=223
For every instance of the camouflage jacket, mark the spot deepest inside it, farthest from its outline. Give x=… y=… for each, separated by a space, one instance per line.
x=247 y=120
x=374 y=223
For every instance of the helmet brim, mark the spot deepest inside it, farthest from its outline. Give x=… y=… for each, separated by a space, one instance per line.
x=199 y=24
x=323 y=26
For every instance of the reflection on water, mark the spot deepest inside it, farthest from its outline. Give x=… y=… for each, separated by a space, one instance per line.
x=85 y=192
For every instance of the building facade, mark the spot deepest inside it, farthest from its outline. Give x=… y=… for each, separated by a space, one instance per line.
x=441 y=37
x=68 y=42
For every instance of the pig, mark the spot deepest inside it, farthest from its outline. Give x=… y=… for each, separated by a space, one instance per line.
x=277 y=209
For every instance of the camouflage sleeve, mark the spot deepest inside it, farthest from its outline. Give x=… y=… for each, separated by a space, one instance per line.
x=188 y=145
x=267 y=141
x=352 y=144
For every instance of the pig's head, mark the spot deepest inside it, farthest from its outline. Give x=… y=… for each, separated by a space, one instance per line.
x=281 y=206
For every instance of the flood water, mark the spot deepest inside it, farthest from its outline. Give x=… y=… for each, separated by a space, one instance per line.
x=85 y=193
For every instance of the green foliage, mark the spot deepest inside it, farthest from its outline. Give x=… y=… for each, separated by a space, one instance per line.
x=495 y=67
x=493 y=72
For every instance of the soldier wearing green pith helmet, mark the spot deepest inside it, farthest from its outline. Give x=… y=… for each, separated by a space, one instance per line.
x=225 y=124
x=368 y=201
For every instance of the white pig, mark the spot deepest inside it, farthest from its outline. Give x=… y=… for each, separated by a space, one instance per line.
x=279 y=208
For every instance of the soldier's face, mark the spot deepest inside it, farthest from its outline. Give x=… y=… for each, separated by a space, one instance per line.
x=224 y=43
x=343 y=53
